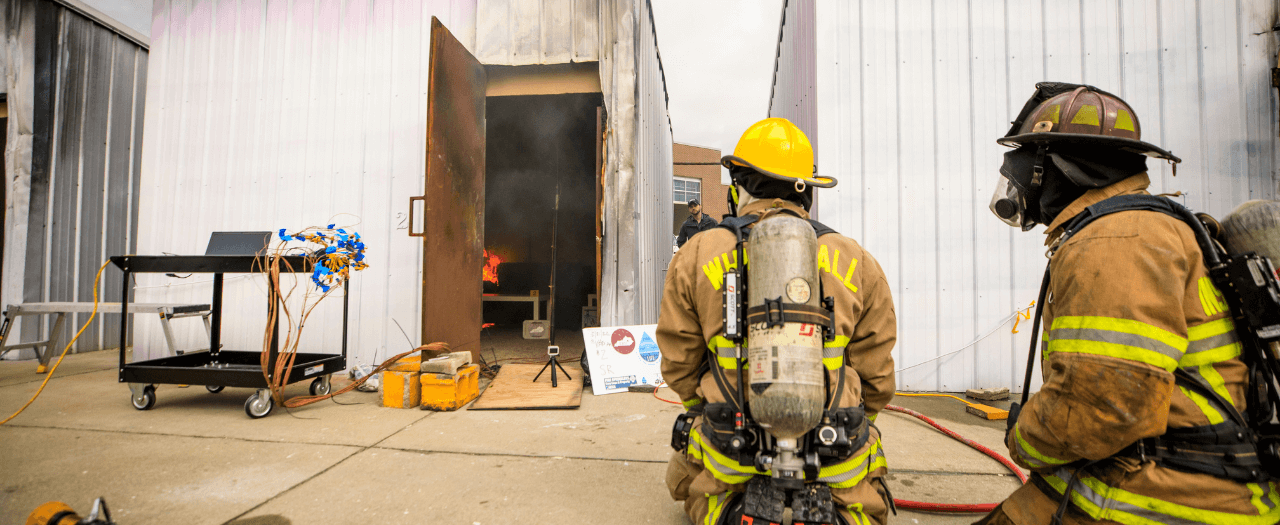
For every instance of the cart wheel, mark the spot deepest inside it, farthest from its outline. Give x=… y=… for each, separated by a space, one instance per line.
x=320 y=387
x=214 y=389
x=258 y=406
x=146 y=400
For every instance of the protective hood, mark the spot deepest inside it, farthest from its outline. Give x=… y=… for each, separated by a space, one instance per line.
x=764 y=187
x=1067 y=172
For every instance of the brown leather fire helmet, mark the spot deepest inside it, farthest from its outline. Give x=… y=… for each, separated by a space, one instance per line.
x=1068 y=138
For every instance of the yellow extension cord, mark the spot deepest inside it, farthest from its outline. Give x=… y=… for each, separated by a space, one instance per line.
x=935 y=395
x=96 y=279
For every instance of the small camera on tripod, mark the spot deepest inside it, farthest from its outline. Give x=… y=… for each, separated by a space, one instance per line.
x=553 y=351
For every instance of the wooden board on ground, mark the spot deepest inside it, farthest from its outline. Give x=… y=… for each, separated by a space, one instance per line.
x=514 y=389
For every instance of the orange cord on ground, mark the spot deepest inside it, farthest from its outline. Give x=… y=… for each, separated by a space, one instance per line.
x=68 y=348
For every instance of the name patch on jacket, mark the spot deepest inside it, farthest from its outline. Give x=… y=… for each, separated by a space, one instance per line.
x=828 y=259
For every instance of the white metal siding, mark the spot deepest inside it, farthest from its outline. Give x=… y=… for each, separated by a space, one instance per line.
x=911 y=95
x=653 y=166
x=268 y=115
x=524 y=32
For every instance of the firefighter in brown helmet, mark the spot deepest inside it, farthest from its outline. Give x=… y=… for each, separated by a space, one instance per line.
x=773 y=172
x=1139 y=355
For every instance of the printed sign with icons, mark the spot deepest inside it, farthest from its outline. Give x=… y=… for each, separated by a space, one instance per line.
x=621 y=356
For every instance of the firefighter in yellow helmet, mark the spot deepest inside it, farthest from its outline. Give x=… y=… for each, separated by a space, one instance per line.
x=717 y=454
x=1138 y=421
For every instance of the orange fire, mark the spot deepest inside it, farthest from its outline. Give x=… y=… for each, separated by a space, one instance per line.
x=491 y=261
x=486 y=325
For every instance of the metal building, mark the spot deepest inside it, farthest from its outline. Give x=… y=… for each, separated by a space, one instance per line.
x=904 y=100
x=268 y=115
x=74 y=84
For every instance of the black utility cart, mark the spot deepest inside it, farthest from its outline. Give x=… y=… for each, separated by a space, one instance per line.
x=217 y=368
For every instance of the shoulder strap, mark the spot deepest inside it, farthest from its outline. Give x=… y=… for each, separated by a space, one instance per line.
x=820 y=229
x=742 y=223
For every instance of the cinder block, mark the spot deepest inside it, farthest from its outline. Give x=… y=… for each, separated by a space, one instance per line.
x=401 y=389
x=450 y=391
x=409 y=363
x=986 y=412
x=988 y=394
x=447 y=363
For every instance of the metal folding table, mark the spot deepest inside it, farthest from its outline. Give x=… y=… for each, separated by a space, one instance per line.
x=218 y=368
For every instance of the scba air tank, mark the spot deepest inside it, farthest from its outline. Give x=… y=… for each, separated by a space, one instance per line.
x=785 y=360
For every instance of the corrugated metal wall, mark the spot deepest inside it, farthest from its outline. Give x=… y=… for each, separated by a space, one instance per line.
x=78 y=198
x=912 y=94
x=268 y=115
x=524 y=32
x=637 y=175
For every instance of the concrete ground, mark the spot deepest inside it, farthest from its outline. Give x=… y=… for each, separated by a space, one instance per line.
x=197 y=458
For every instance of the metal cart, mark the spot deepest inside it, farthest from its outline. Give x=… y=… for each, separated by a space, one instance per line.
x=217 y=368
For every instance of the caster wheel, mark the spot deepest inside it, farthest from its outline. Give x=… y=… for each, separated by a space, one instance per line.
x=214 y=389
x=146 y=400
x=320 y=387
x=258 y=406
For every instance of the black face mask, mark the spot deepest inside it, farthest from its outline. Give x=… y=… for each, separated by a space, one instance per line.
x=1068 y=171
x=764 y=187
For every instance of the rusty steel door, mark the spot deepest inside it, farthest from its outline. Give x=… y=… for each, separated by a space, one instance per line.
x=453 y=217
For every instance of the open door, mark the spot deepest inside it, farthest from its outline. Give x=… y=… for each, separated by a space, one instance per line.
x=453 y=207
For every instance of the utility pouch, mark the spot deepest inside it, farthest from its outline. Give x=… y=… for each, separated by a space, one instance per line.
x=719 y=426
x=842 y=433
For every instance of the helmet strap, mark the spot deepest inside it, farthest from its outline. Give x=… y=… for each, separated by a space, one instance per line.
x=1037 y=169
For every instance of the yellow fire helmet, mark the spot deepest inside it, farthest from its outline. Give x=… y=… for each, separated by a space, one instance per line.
x=778 y=149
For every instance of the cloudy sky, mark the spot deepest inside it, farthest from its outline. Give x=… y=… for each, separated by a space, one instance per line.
x=718 y=59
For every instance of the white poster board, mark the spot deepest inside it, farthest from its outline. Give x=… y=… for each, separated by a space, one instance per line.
x=621 y=356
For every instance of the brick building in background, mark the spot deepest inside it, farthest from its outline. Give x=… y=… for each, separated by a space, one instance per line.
x=697 y=174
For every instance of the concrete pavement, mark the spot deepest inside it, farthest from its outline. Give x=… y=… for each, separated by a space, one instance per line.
x=197 y=458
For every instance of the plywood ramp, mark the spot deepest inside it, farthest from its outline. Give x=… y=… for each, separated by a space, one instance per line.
x=514 y=389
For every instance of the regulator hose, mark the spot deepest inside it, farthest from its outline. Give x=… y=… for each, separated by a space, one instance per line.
x=954 y=507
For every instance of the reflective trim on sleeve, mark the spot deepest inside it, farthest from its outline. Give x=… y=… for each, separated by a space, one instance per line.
x=1030 y=455
x=852 y=471
x=716 y=504
x=1102 y=502
x=1119 y=338
x=1211 y=342
x=692 y=402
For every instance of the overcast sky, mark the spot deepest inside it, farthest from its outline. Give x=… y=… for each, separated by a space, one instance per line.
x=718 y=59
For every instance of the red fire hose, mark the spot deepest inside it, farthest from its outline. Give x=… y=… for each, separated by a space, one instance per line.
x=954 y=507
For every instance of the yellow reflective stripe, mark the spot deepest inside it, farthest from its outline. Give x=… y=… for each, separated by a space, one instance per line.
x=1102 y=502
x=1214 y=416
x=1119 y=338
x=692 y=402
x=1264 y=497
x=1029 y=453
x=720 y=466
x=714 y=507
x=1215 y=379
x=852 y=471
x=1119 y=351
x=1124 y=326
x=833 y=352
x=726 y=352
x=859 y=517
x=1210 y=329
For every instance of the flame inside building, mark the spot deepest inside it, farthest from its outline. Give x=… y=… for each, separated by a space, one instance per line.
x=491 y=262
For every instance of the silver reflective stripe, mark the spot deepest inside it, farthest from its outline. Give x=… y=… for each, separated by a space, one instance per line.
x=832 y=351
x=727 y=351
x=1108 y=506
x=1210 y=343
x=855 y=472
x=1266 y=495
x=1120 y=338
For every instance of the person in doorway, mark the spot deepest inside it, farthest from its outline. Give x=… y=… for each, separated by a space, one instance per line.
x=773 y=173
x=1136 y=421
x=697 y=222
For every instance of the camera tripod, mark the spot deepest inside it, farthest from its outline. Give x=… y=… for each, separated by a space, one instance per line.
x=553 y=361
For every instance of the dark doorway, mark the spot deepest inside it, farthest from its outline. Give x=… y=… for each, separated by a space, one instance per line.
x=535 y=143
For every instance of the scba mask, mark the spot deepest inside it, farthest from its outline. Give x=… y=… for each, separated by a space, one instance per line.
x=1010 y=205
